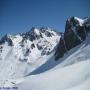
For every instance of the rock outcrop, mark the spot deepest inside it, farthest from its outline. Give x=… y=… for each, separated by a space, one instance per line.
x=75 y=33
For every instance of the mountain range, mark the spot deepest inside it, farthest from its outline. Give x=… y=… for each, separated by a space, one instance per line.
x=33 y=60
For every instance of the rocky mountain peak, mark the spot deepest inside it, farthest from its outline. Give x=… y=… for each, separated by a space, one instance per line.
x=30 y=45
x=76 y=30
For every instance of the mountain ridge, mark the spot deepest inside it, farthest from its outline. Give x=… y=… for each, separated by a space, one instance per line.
x=30 y=49
x=25 y=52
x=76 y=31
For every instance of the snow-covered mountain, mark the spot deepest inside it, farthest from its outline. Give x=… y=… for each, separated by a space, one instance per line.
x=43 y=59
x=72 y=74
x=76 y=31
x=24 y=52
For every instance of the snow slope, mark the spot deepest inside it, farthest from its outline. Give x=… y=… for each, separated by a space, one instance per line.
x=77 y=54
x=74 y=77
x=27 y=61
x=71 y=74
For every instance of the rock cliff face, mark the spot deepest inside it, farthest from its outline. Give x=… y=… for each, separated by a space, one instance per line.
x=37 y=42
x=76 y=31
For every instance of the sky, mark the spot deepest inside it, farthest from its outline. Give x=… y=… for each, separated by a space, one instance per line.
x=18 y=16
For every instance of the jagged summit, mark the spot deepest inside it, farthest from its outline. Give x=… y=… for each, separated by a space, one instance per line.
x=33 y=34
x=27 y=51
x=79 y=21
x=76 y=31
x=37 y=33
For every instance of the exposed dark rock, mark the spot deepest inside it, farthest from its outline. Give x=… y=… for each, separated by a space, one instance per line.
x=87 y=27
x=48 y=52
x=6 y=39
x=81 y=31
x=31 y=35
x=48 y=34
x=74 y=34
x=60 y=49
x=23 y=60
x=43 y=53
x=39 y=47
x=71 y=40
x=27 y=52
x=1 y=46
x=32 y=46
